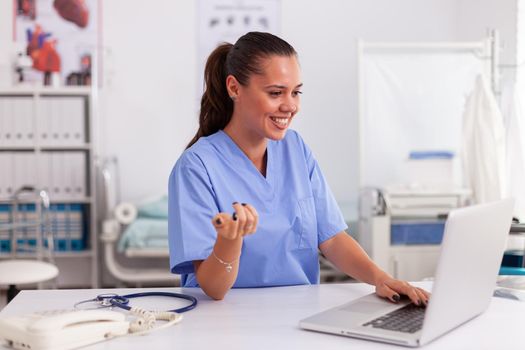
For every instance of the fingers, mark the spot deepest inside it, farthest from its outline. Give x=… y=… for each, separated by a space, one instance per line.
x=252 y=226
x=410 y=292
x=391 y=287
x=225 y=225
x=426 y=295
x=247 y=217
x=240 y=215
x=242 y=222
x=386 y=292
x=421 y=296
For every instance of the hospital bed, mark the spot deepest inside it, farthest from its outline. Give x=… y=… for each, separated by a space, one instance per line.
x=133 y=240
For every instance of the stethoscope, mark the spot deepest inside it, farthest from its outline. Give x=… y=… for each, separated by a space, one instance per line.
x=122 y=301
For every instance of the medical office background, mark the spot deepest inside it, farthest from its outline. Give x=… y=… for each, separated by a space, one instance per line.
x=147 y=94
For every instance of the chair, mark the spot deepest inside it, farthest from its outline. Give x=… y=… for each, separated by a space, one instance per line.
x=25 y=263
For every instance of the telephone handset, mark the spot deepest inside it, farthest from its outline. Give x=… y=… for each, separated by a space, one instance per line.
x=62 y=330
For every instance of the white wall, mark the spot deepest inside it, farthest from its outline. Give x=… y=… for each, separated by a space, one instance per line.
x=148 y=109
x=475 y=17
x=6 y=35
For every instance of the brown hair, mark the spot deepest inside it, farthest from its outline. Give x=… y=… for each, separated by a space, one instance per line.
x=240 y=60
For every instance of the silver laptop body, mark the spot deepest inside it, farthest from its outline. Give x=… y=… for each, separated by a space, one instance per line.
x=471 y=254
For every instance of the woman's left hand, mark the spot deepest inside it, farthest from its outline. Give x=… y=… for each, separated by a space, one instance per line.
x=392 y=289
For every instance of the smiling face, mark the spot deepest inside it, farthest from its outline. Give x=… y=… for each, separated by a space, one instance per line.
x=265 y=107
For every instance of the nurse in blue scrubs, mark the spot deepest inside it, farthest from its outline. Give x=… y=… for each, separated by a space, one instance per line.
x=248 y=203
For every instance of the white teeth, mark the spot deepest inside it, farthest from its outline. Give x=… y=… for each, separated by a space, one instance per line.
x=280 y=121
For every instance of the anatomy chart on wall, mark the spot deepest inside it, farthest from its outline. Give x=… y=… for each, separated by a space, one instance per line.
x=56 y=40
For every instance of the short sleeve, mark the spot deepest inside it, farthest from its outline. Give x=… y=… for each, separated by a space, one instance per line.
x=191 y=206
x=330 y=220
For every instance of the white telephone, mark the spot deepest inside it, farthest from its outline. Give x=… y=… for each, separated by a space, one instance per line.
x=62 y=330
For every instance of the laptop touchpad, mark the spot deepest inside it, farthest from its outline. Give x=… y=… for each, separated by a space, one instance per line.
x=365 y=307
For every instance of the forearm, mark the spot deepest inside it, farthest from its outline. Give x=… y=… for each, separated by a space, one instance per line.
x=348 y=256
x=212 y=275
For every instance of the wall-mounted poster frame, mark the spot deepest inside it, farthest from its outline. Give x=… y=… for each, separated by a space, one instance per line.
x=221 y=21
x=56 y=41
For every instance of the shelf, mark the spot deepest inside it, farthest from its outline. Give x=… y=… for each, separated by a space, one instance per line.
x=75 y=254
x=85 y=200
x=85 y=147
x=72 y=201
x=17 y=148
x=62 y=163
x=46 y=90
x=56 y=255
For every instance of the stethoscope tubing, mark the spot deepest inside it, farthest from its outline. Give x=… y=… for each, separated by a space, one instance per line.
x=125 y=305
x=122 y=301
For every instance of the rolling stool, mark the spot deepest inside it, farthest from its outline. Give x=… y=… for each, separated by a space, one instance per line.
x=15 y=271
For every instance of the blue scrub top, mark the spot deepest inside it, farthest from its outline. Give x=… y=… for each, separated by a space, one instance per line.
x=297 y=210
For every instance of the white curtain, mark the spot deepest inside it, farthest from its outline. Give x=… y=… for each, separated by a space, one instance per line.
x=412 y=100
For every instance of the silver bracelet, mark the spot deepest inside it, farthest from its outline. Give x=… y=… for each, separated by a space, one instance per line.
x=228 y=265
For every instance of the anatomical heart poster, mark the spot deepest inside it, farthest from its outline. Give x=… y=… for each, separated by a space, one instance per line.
x=56 y=41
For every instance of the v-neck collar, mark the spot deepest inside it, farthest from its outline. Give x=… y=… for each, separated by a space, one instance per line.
x=237 y=154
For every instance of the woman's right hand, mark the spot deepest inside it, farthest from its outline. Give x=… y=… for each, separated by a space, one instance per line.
x=243 y=222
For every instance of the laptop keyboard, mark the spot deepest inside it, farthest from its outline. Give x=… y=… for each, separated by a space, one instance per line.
x=408 y=319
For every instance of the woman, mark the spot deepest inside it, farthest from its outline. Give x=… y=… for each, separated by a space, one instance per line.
x=244 y=160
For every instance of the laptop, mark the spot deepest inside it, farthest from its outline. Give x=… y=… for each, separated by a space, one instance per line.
x=472 y=249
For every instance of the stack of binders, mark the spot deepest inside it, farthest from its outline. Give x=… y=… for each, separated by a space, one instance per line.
x=61 y=173
x=67 y=223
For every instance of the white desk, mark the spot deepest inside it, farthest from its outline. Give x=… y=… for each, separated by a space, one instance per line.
x=267 y=318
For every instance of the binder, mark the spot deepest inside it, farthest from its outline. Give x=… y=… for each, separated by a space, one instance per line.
x=27 y=236
x=44 y=172
x=5 y=241
x=44 y=121
x=58 y=227
x=56 y=121
x=28 y=126
x=61 y=117
x=3 y=175
x=8 y=130
x=24 y=170
x=57 y=188
x=18 y=116
x=75 y=120
x=2 y=122
x=62 y=233
x=67 y=180
x=49 y=122
x=77 y=173
x=9 y=174
x=76 y=234
x=21 y=109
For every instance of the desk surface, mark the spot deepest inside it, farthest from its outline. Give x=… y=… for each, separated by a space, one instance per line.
x=267 y=318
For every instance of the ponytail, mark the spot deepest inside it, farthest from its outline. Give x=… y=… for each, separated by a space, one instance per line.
x=216 y=105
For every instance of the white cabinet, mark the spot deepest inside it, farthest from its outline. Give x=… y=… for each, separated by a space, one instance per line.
x=46 y=141
x=406 y=262
x=402 y=231
x=414 y=263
